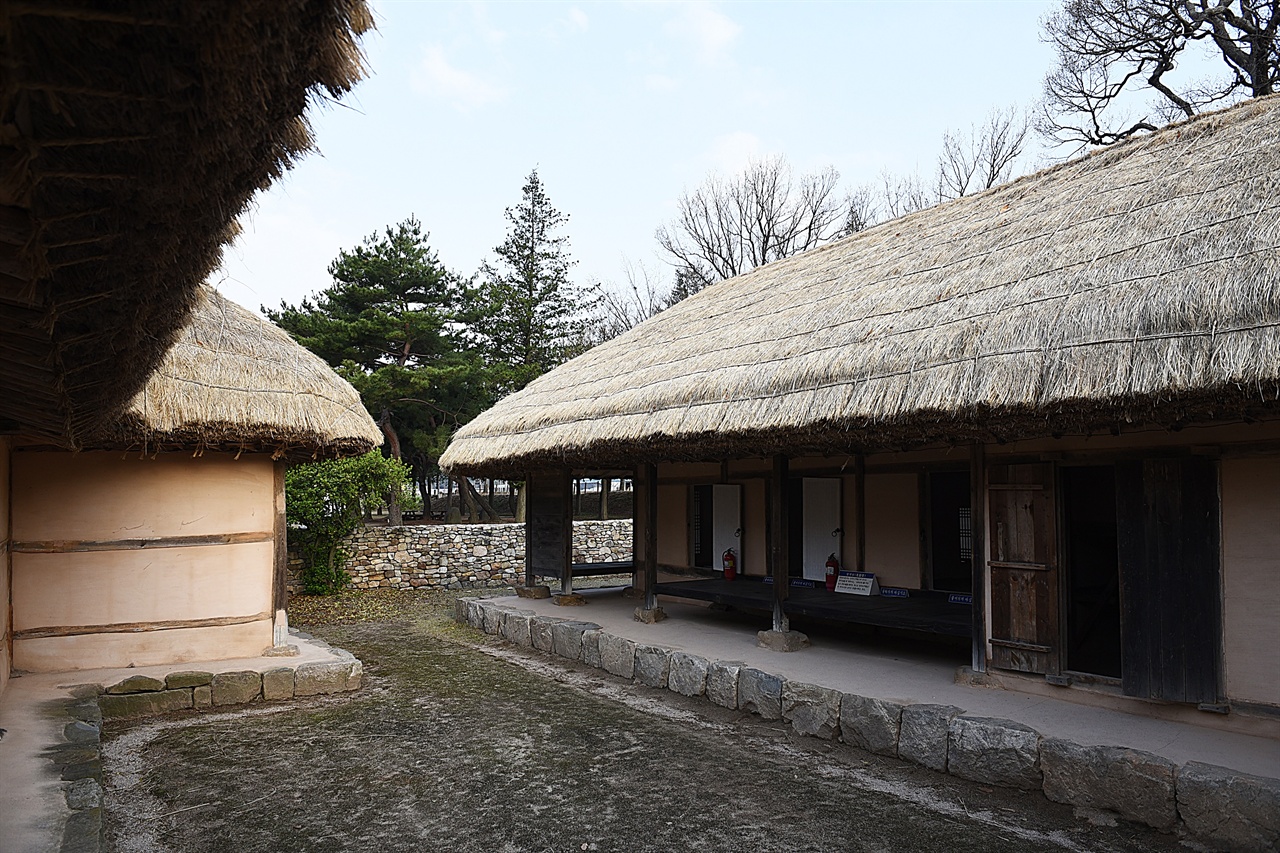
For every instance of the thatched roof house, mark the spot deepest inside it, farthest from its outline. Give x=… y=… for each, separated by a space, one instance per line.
x=131 y=136
x=235 y=382
x=1138 y=284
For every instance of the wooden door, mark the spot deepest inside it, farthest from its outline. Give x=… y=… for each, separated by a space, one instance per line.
x=549 y=527
x=726 y=524
x=821 y=533
x=1168 y=525
x=1023 y=568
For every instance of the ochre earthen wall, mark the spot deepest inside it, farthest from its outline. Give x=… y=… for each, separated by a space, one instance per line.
x=120 y=560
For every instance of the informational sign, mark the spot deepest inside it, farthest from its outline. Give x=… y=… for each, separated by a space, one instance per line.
x=894 y=592
x=960 y=598
x=796 y=583
x=858 y=583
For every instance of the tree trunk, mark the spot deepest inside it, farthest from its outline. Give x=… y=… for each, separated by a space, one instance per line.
x=468 y=501
x=477 y=501
x=605 y=484
x=520 y=502
x=395 y=517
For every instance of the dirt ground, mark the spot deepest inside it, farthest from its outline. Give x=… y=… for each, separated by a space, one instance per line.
x=458 y=741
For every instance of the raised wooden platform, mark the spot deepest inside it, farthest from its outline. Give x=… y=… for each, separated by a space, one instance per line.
x=925 y=610
x=587 y=570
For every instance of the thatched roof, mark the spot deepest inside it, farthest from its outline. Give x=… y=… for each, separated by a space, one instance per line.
x=234 y=381
x=1140 y=284
x=132 y=134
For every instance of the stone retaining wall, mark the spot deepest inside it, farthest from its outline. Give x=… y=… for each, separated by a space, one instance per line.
x=1221 y=807
x=461 y=556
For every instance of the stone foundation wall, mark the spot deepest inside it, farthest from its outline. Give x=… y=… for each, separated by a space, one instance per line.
x=461 y=556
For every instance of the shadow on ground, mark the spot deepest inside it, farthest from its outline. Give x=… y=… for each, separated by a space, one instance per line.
x=460 y=742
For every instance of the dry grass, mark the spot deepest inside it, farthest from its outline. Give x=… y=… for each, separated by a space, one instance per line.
x=1140 y=284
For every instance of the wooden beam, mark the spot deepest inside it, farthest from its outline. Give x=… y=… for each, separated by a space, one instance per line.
x=280 y=579
x=650 y=472
x=860 y=513
x=137 y=627
x=530 y=578
x=779 y=550
x=67 y=546
x=978 y=552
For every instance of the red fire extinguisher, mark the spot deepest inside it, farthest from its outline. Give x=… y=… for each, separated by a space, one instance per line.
x=730 y=563
x=833 y=572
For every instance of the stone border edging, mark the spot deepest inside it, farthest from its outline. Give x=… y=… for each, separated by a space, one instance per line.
x=1216 y=805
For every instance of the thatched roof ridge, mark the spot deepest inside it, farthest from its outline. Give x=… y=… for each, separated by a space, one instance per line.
x=1140 y=284
x=132 y=134
x=234 y=381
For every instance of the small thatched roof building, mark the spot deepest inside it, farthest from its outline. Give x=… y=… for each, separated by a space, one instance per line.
x=235 y=382
x=1138 y=284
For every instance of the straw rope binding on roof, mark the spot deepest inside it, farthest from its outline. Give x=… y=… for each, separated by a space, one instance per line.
x=234 y=381
x=1140 y=284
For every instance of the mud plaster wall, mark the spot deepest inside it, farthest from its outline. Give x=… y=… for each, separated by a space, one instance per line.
x=5 y=640
x=673 y=526
x=1251 y=578
x=85 y=594
x=893 y=529
x=461 y=556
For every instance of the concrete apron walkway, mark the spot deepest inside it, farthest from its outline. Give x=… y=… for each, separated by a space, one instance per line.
x=1220 y=786
x=50 y=766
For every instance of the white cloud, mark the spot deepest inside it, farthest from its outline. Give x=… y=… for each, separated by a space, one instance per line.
x=710 y=33
x=660 y=83
x=436 y=78
x=578 y=20
x=731 y=152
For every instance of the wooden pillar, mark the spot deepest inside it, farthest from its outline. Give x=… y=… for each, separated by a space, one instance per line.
x=977 y=540
x=280 y=577
x=650 y=472
x=860 y=513
x=779 y=552
x=605 y=484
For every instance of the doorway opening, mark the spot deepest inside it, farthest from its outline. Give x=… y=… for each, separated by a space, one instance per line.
x=1090 y=540
x=950 y=531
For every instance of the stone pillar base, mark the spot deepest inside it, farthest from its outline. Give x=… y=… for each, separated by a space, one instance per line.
x=568 y=599
x=657 y=614
x=284 y=650
x=541 y=591
x=782 y=641
x=632 y=592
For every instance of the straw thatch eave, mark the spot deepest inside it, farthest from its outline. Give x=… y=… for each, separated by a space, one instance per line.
x=1138 y=285
x=132 y=135
x=234 y=382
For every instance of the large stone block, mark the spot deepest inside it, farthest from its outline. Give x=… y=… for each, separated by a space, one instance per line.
x=591 y=649
x=137 y=684
x=1234 y=811
x=618 y=654
x=144 y=704
x=653 y=665
x=566 y=638
x=811 y=710
x=722 y=682
x=516 y=626
x=191 y=678
x=870 y=724
x=314 y=679
x=688 y=675
x=490 y=617
x=1136 y=785
x=277 y=683
x=923 y=734
x=994 y=751
x=760 y=693
x=541 y=630
x=236 y=688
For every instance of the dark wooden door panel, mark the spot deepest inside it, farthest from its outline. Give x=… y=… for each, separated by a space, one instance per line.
x=548 y=525
x=1168 y=520
x=1023 y=568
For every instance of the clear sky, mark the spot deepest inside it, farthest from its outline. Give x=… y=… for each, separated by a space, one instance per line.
x=621 y=106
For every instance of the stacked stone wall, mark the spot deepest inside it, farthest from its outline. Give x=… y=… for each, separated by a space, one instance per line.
x=461 y=556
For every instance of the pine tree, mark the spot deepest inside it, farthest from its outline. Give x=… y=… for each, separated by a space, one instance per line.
x=526 y=314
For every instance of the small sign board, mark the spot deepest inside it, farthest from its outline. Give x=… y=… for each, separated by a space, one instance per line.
x=894 y=592
x=796 y=583
x=959 y=598
x=858 y=583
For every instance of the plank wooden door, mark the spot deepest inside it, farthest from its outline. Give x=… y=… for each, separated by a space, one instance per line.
x=1168 y=519
x=1023 y=568
x=549 y=527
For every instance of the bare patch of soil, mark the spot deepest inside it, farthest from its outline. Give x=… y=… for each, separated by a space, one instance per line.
x=458 y=741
